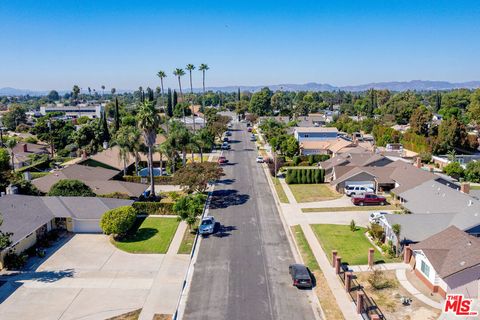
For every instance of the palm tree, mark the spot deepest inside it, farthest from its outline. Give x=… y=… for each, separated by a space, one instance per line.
x=203 y=139
x=123 y=142
x=161 y=74
x=103 y=90
x=162 y=149
x=11 y=143
x=148 y=122
x=181 y=139
x=113 y=91
x=203 y=67
x=180 y=73
x=75 y=92
x=190 y=67
x=396 y=228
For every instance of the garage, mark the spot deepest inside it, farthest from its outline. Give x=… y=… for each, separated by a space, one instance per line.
x=366 y=183
x=86 y=226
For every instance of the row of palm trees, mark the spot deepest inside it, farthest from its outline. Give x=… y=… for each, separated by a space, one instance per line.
x=179 y=73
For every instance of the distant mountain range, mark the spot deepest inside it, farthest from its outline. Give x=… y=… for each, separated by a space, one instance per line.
x=419 y=85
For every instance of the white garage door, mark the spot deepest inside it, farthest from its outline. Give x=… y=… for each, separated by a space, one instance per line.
x=369 y=184
x=86 y=226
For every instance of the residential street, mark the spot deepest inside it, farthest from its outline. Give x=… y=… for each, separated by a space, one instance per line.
x=242 y=271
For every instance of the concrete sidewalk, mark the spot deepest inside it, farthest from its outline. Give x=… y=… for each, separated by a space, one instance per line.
x=402 y=278
x=344 y=302
x=177 y=238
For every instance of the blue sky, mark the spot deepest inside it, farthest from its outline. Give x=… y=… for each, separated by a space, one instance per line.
x=55 y=44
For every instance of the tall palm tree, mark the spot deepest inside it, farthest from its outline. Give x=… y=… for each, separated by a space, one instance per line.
x=148 y=121
x=180 y=73
x=11 y=143
x=161 y=74
x=203 y=139
x=203 y=67
x=113 y=91
x=181 y=138
x=162 y=149
x=103 y=90
x=122 y=140
x=190 y=67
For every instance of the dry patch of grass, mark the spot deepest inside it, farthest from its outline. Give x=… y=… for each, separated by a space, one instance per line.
x=388 y=299
x=133 y=315
x=322 y=290
x=313 y=192
x=162 y=317
x=280 y=192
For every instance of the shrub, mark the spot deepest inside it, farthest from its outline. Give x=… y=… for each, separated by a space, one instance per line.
x=14 y=261
x=189 y=208
x=454 y=170
x=296 y=160
x=376 y=231
x=116 y=195
x=353 y=226
x=378 y=281
x=72 y=188
x=304 y=175
x=118 y=221
x=165 y=180
x=154 y=208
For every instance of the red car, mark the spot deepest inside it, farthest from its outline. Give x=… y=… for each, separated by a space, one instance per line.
x=369 y=198
x=222 y=160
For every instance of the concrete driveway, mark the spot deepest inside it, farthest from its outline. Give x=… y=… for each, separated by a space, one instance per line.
x=88 y=278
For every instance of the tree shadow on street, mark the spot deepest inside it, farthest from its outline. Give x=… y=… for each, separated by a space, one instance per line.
x=222 y=199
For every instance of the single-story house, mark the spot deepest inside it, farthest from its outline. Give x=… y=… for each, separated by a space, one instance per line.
x=377 y=178
x=29 y=218
x=331 y=147
x=99 y=179
x=23 y=152
x=360 y=159
x=448 y=262
x=315 y=133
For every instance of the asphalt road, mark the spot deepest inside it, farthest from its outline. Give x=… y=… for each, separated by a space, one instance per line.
x=242 y=271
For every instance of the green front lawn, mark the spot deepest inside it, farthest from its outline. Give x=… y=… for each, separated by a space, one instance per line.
x=152 y=236
x=474 y=187
x=351 y=246
x=280 y=192
x=313 y=192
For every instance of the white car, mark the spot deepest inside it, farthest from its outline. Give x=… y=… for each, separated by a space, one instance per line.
x=260 y=159
x=357 y=190
x=374 y=217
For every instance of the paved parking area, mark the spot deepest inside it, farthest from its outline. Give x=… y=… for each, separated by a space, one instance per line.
x=88 y=278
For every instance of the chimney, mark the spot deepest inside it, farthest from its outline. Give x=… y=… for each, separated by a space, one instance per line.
x=25 y=147
x=465 y=187
x=418 y=163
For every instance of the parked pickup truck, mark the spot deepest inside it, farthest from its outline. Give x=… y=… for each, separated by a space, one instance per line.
x=368 y=198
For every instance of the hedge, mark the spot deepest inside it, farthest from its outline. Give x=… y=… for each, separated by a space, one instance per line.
x=154 y=208
x=305 y=175
x=165 y=180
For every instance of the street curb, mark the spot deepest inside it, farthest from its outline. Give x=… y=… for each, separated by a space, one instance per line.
x=292 y=242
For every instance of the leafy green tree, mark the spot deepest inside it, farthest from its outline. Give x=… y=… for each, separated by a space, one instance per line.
x=474 y=107
x=14 y=117
x=181 y=109
x=148 y=122
x=396 y=228
x=60 y=132
x=169 y=104
x=71 y=188
x=53 y=96
x=472 y=171
x=205 y=140
x=88 y=136
x=117 y=115
x=4 y=160
x=454 y=169
x=451 y=134
x=189 y=208
x=180 y=134
x=196 y=176
x=103 y=127
x=260 y=104
x=420 y=120
x=118 y=221
x=75 y=92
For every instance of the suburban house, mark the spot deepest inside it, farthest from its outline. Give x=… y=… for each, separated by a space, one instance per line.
x=315 y=133
x=24 y=151
x=448 y=262
x=377 y=178
x=442 y=160
x=331 y=147
x=29 y=218
x=99 y=179
x=434 y=207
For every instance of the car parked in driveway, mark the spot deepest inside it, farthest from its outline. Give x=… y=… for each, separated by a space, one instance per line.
x=207 y=226
x=352 y=190
x=222 y=160
x=300 y=276
x=368 y=199
x=260 y=159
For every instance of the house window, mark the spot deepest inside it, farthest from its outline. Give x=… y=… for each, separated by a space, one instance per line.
x=306 y=136
x=425 y=268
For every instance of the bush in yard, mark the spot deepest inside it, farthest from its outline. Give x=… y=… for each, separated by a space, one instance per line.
x=118 y=221
x=14 y=261
x=189 y=208
x=376 y=231
x=116 y=195
x=153 y=208
x=304 y=175
x=378 y=281
x=454 y=170
x=296 y=160
x=71 y=188
x=196 y=176
x=353 y=226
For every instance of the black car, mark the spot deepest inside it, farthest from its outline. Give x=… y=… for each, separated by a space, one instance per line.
x=300 y=276
x=225 y=139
